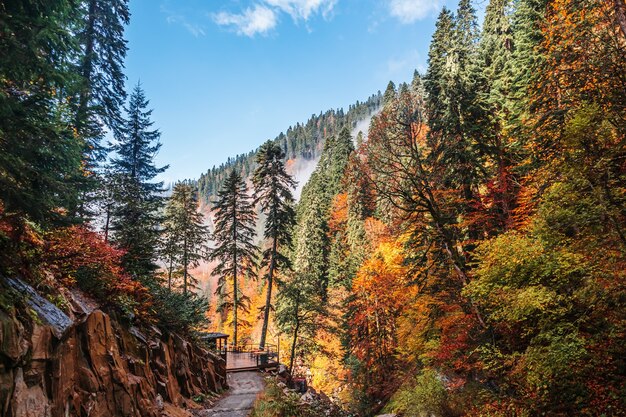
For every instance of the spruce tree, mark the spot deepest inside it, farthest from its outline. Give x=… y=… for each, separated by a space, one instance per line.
x=302 y=298
x=390 y=93
x=235 y=250
x=135 y=220
x=455 y=134
x=273 y=192
x=40 y=157
x=185 y=233
x=99 y=95
x=314 y=208
x=438 y=77
x=527 y=21
x=101 y=92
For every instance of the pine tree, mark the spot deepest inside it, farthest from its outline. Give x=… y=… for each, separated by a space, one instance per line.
x=438 y=76
x=273 y=191
x=493 y=87
x=527 y=22
x=453 y=117
x=184 y=232
x=135 y=220
x=40 y=158
x=235 y=250
x=101 y=92
x=314 y=208
x=390 y=93
x=302 y=299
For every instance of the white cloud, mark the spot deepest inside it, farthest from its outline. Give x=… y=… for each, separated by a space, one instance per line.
x=256 y=20
x=303 y=9
x=179 y=19
x=195 y=29
x=408 y=11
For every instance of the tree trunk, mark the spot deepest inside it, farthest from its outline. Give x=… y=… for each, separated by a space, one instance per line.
x=169 y=273
x=268 y=298
x=185 y=266
x=235 y=295
x=620 y=15
x=106 y=224
x=293 y=346
x=86 y=70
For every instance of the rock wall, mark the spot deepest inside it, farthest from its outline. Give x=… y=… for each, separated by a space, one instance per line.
x=98 y=367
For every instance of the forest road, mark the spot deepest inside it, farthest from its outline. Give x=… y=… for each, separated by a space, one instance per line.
x=238 y=402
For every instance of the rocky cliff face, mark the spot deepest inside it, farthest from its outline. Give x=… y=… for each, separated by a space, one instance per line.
x=85 y=363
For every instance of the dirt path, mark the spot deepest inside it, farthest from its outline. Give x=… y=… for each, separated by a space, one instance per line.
x=238 y=402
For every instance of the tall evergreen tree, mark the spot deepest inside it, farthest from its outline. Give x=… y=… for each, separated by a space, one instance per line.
x=135 y=219
x=40 y=156
x=455 y=134
x=273 y=191
x=101 y=92
x=317 y=196
x=390 y=93
x=303 y=297
x=527 y=21
x=185 y=233
x=438 y=77
x=235 y=251
x=301 y=300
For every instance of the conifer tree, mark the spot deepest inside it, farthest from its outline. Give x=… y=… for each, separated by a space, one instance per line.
x=185 y=233
x=527 y=22
x=390 y=93
x=101 y=92
x=40 y=158
x=135 y=220
x=314 y=208
x=301 y=300
x=235 y=250
x=273 y=191
x=455 y=133
x=438 y=76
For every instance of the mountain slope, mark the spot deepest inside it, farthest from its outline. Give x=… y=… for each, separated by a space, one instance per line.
x=302 y=143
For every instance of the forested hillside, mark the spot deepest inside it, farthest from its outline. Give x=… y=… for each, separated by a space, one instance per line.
x=469 y=257
x=302 y=141
x=466 y=257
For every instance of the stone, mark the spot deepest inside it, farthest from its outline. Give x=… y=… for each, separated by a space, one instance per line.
x=98 y=367
x=28 y=401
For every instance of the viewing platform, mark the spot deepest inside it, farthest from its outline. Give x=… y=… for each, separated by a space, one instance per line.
x=242 y=358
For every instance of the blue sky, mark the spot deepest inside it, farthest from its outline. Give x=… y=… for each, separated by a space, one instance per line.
x=224 y=76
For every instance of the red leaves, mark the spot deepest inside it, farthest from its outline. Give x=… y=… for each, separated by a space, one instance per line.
x=77 y=255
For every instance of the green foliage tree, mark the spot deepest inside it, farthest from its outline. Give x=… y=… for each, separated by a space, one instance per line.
x=135 y=221
x=40 y=158
x=273 y=191
x=100 y=93
x=185 y=235
x=235 y=250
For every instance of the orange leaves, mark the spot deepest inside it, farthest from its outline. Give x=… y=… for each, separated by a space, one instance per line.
x=381 y=296
x=338 y=213
x=77 y=255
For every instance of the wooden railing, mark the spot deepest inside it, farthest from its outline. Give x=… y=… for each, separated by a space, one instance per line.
x=267 y=357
